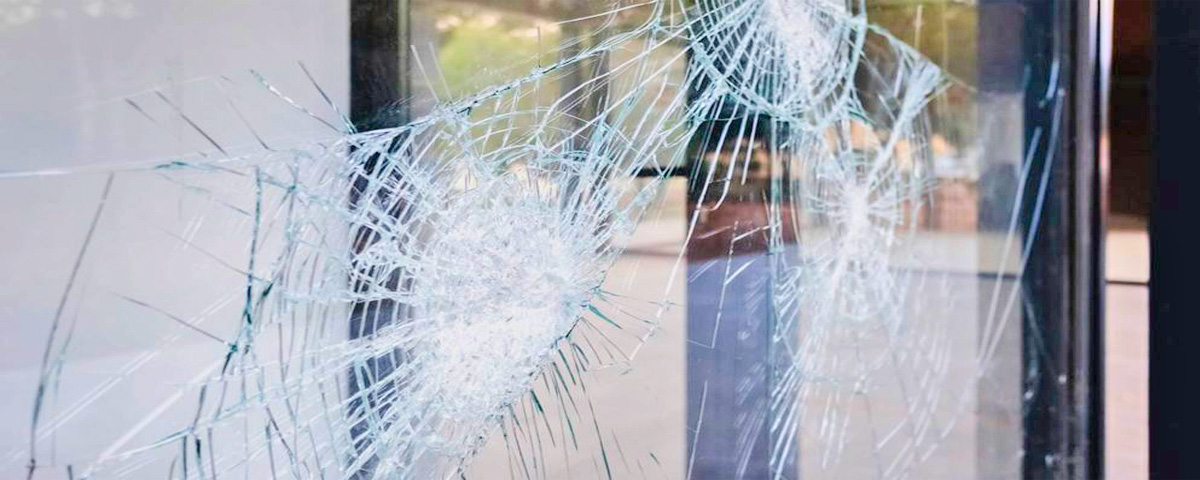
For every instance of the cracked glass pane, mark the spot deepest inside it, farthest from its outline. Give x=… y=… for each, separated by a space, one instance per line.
x=534 y=239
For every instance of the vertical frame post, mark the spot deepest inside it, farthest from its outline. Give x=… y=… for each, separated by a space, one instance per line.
x=379 y=87
x=1174 y=255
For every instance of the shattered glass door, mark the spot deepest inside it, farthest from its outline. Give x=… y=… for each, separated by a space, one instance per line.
x=402 y=239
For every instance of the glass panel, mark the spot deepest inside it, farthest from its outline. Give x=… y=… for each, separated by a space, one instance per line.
x=528 y=239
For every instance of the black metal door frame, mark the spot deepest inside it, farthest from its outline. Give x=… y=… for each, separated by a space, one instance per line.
x=1174 y=256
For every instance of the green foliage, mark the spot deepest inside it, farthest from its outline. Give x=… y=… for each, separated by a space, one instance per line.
x=480 y=52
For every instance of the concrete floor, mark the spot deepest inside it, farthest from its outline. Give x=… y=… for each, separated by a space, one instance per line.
x=1127 y=375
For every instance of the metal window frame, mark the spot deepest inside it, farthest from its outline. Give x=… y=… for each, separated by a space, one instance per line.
x=1058 y=64
x=1064 y=428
